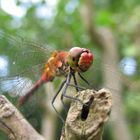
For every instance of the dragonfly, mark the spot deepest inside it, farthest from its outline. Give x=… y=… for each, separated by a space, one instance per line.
x=61 y=63
x=37 y=65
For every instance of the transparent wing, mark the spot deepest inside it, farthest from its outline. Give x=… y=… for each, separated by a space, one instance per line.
x=15 y=86
x=21 y=62
x=22 y=54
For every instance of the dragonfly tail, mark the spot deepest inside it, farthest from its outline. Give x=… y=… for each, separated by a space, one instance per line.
x=30 y=93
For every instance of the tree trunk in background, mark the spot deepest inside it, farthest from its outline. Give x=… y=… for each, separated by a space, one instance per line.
x=107 y=43
x=50 y=117
x=112 y=79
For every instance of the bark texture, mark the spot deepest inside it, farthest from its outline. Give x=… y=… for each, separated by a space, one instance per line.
x=86 y=122
x=14 y=124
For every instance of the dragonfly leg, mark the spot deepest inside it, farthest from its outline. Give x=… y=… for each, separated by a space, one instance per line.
x=65 y=89
x=55 y=98
x=75 y=82
x=84 y=79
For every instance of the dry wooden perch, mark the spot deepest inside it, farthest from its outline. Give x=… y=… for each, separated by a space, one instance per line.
x=14 y=124
x=86 y=122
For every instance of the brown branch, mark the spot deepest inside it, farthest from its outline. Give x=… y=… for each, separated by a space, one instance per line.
x=87 y=121
x=14 y=124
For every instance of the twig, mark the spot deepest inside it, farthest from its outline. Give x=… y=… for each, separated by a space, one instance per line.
x=86 y=122
x=14 y=124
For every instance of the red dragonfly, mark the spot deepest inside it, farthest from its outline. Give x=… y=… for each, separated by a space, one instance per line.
x=61 y=63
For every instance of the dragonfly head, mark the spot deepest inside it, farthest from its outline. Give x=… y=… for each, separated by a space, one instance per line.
x=80 y=59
